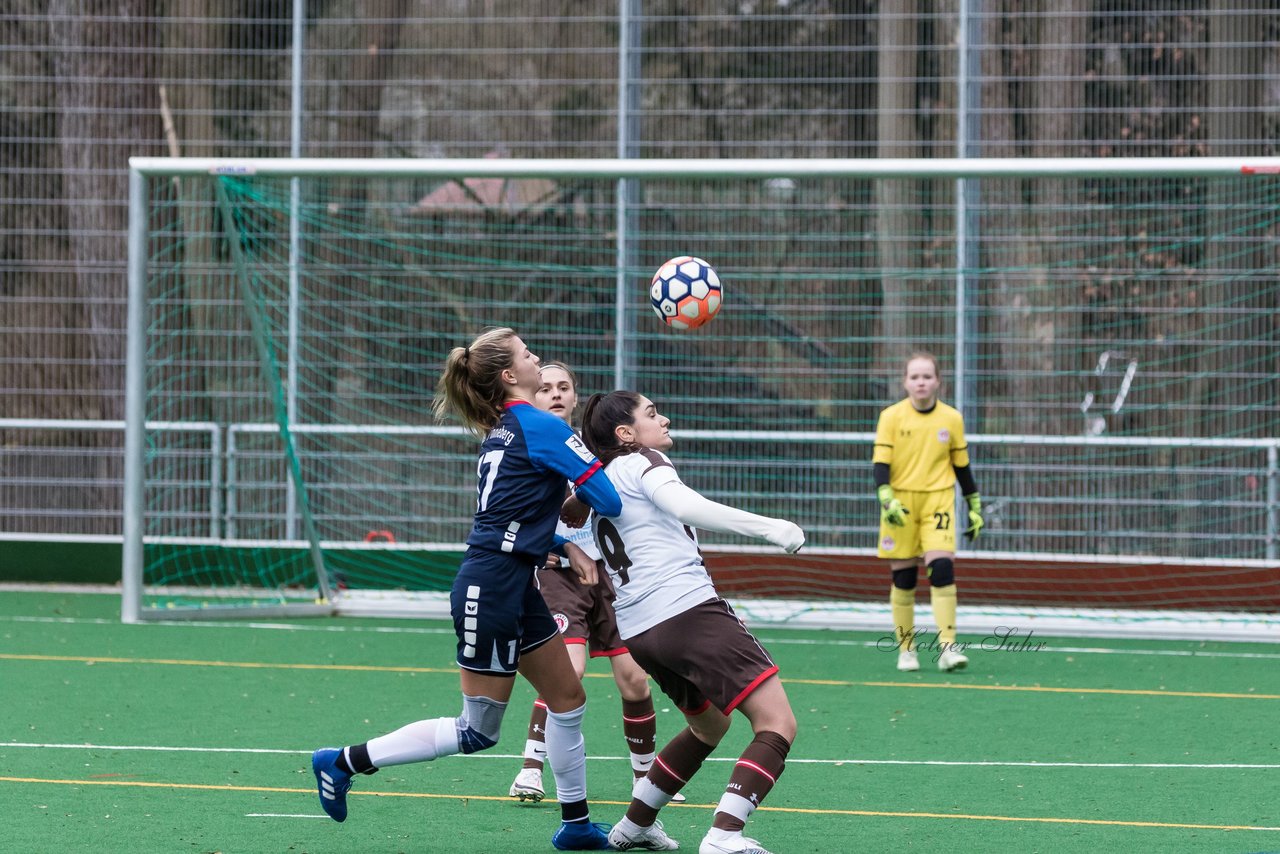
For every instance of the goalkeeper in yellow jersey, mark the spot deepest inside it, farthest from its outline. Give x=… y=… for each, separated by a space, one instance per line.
x=920 y=455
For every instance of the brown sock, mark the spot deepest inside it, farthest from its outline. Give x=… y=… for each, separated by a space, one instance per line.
x=753 y=776
x=675 y=766
x=536 y=744
x=640 y=726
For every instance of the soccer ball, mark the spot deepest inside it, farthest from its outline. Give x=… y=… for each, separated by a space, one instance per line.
x=685 y=292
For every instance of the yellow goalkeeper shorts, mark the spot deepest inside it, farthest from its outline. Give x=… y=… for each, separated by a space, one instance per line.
x=931 y=525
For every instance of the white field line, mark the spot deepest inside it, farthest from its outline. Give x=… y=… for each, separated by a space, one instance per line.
x=1211 y=766
x=779 y=640
x=1048 y=647
x=213 y=624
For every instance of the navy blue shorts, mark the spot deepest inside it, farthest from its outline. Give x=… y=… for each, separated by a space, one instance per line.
x=498 y=613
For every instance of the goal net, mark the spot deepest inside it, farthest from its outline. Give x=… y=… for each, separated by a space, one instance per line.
x=1108 y=328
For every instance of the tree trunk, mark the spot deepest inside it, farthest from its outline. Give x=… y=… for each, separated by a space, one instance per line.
x=103 y=109
x=195 y=60
x=1219 y=330
x=897 y=220
x=1234 y=111
x=359 y=109
x=1059 y=97
x=1025 y=307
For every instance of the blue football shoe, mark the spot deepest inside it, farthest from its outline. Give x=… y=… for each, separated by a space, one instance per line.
x=581 y=836
x=332 y=782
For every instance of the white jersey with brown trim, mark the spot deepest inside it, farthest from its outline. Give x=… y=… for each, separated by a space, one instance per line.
x=652 y=557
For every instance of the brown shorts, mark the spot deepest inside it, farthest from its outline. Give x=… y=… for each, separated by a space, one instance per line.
x=703 y=657
x=584 y=614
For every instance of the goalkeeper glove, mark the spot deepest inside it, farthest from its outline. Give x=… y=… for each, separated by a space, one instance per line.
x=975 y=516
x=891 y=509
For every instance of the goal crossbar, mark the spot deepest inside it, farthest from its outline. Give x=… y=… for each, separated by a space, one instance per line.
x=727 y=169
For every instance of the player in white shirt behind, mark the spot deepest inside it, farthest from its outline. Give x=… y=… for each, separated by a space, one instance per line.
x=679 y=629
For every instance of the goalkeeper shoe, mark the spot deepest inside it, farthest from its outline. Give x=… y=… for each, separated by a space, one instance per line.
x=332 y=782
x=581 y=836
x=952 y=660
x=726 y=843
x=635 y=838
x=908 y=661
x=528 y=785
x=677 y=798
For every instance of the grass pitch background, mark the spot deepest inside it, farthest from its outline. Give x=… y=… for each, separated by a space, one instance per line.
x=197 y=738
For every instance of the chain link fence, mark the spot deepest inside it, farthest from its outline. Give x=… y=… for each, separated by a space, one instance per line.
x=86 y=86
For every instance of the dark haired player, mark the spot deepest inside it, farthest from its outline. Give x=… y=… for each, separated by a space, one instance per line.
x=679 y=629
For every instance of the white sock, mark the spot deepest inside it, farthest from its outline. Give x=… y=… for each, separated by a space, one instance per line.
x=736 y=806
x=566 y=753
x=536 y=750
x=641 y=763
x=650 y=795
x=626 y=825
x=417 y=742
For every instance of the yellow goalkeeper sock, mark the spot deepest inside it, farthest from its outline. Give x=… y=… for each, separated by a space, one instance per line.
x=903 y=603
x=943 y=600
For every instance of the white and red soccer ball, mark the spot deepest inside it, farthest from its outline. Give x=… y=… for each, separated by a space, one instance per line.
x=685 y=292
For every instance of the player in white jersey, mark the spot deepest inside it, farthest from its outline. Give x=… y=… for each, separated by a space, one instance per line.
x=580 y=596
x=680 y=630
x=674 y=578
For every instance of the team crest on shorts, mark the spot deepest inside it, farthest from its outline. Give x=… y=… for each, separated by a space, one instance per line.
x=887 y=544
x=562 y=622
x=944 y=435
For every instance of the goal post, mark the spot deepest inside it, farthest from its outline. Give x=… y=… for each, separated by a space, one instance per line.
x=1105 y=325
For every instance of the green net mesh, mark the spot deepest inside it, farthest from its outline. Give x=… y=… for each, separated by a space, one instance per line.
x=305 y=320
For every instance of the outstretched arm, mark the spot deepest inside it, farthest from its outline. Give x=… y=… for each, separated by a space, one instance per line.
x=554 y=446
x=597 y=492
x=698 y=512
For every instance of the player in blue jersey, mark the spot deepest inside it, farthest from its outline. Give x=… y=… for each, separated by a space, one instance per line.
x=501 y=620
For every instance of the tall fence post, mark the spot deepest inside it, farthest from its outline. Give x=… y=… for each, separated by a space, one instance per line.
x=1273 y=503
x=627 y=188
